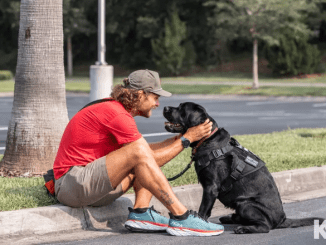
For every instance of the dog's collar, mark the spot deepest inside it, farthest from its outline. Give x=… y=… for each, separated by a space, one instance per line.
x=194 y=150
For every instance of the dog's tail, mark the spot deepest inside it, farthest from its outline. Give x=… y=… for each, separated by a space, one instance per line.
x=293 y=223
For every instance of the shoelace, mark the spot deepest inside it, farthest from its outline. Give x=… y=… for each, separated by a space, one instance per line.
x=152 y=209
x=195 y=214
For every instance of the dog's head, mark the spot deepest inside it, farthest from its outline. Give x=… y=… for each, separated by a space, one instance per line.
x=185 y=116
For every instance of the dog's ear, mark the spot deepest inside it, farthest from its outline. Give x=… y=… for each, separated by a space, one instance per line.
x=197 y=116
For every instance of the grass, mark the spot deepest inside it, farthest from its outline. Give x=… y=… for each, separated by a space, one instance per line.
x=290 y=149
x=241 y=76
x=7 y=86
x=82 y=84
x=244 y=90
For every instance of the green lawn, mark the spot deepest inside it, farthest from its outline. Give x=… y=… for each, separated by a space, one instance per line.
x=81 y=84
x=7 y=86
x=290 y=149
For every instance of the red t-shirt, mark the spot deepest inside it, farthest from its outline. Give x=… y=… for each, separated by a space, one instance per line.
x=92 y=133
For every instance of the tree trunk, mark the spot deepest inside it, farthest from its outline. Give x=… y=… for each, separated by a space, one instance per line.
x=69 y=56
x=39 y=114
x=255 y=84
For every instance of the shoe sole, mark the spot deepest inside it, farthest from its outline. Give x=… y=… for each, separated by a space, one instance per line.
x=144 y=226
x=188 y=232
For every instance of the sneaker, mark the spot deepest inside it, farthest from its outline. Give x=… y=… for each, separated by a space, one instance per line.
x=146 y=220
x=190 y=224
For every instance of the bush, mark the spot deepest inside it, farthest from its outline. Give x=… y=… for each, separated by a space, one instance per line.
x=293 y=55
x=6 y=75
x=169 y=54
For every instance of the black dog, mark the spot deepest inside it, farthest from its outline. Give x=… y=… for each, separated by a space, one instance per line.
x=234 y=175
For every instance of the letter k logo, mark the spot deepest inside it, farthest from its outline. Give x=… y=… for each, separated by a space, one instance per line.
x=319 y=229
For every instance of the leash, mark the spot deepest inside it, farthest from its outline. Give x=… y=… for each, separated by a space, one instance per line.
x=193 y=152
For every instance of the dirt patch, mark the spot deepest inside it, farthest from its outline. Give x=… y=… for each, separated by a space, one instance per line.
x=244 y=65
x=302 y=76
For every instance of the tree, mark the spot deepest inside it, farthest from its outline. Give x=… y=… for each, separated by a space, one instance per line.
x=74 y=21
x=259 y=20
x=39 y=113
x=293 y=55
x=9 y=25
x=168 y=50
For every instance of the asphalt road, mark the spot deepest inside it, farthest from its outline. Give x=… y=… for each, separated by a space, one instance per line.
x=297 y=236
x=239 y=115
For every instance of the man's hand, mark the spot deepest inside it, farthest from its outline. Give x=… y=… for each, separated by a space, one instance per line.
x=198 y=132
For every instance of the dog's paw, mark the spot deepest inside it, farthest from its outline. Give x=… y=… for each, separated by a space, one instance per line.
x=241 y=230
x=226 y=220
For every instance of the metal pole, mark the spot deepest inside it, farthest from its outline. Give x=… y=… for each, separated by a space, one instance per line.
x=101 y=74
x=101 y=33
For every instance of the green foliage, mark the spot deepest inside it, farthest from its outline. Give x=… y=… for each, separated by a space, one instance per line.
x=169 y=53
x=9 y=25
x=74 y=19
x=294 y=55
x=253 y=19
x=6 y=75
x=131 y=27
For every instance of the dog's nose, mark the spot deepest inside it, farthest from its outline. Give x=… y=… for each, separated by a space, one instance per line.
x=166 y=109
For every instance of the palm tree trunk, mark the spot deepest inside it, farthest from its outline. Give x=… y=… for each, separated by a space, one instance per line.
x=69 y=56
x=39 y=113
x=255 y=84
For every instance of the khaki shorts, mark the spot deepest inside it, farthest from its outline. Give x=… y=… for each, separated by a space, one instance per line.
x=87 y=186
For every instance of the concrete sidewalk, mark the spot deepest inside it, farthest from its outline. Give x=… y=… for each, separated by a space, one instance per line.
x=30 y=226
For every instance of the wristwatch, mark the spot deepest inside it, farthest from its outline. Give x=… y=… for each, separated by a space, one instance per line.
x=185 y=142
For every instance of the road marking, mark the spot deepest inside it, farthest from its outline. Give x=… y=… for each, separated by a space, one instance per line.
x=319 y=105
x=266 y=102
x=156 y=134
x=144 y=135
x=3 y=128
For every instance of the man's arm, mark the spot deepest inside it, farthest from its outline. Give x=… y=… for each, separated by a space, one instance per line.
x=159 y=145
x=166 y=150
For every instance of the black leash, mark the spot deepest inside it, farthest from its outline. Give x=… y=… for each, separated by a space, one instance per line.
x=194 y=150
x=182 y=172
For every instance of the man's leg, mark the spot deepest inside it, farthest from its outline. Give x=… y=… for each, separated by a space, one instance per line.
x=143 y=196
x=137 y=157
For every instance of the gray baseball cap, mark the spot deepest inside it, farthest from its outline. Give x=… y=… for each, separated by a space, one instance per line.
x=148 y=81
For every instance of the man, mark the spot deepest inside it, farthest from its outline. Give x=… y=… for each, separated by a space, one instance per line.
x=102 y=155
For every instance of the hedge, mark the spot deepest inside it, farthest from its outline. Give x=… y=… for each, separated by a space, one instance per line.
x=6 y=75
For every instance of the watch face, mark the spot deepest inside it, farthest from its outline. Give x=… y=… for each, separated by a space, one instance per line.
x=185 y=143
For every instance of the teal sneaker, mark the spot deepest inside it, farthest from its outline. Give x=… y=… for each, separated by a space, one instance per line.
x=146 y=220
x=190 y=224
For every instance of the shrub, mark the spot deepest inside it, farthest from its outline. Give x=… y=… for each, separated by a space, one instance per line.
x=169 y=54
x=6 y=75
x=293 y=55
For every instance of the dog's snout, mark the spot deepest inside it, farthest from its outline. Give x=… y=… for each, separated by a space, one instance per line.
x=167 y=109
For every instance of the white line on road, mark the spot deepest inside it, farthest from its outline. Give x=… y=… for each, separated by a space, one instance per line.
x=156 y=134
x=3 y=128
x=144 y=135
x=266 y=102
x=319 y=105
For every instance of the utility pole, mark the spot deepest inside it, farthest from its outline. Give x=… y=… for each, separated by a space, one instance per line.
x=101 y=74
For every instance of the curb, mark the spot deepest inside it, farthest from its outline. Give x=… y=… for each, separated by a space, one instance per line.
x=293 y=185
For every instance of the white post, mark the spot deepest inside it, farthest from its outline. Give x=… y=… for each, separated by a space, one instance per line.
x=101 y=74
